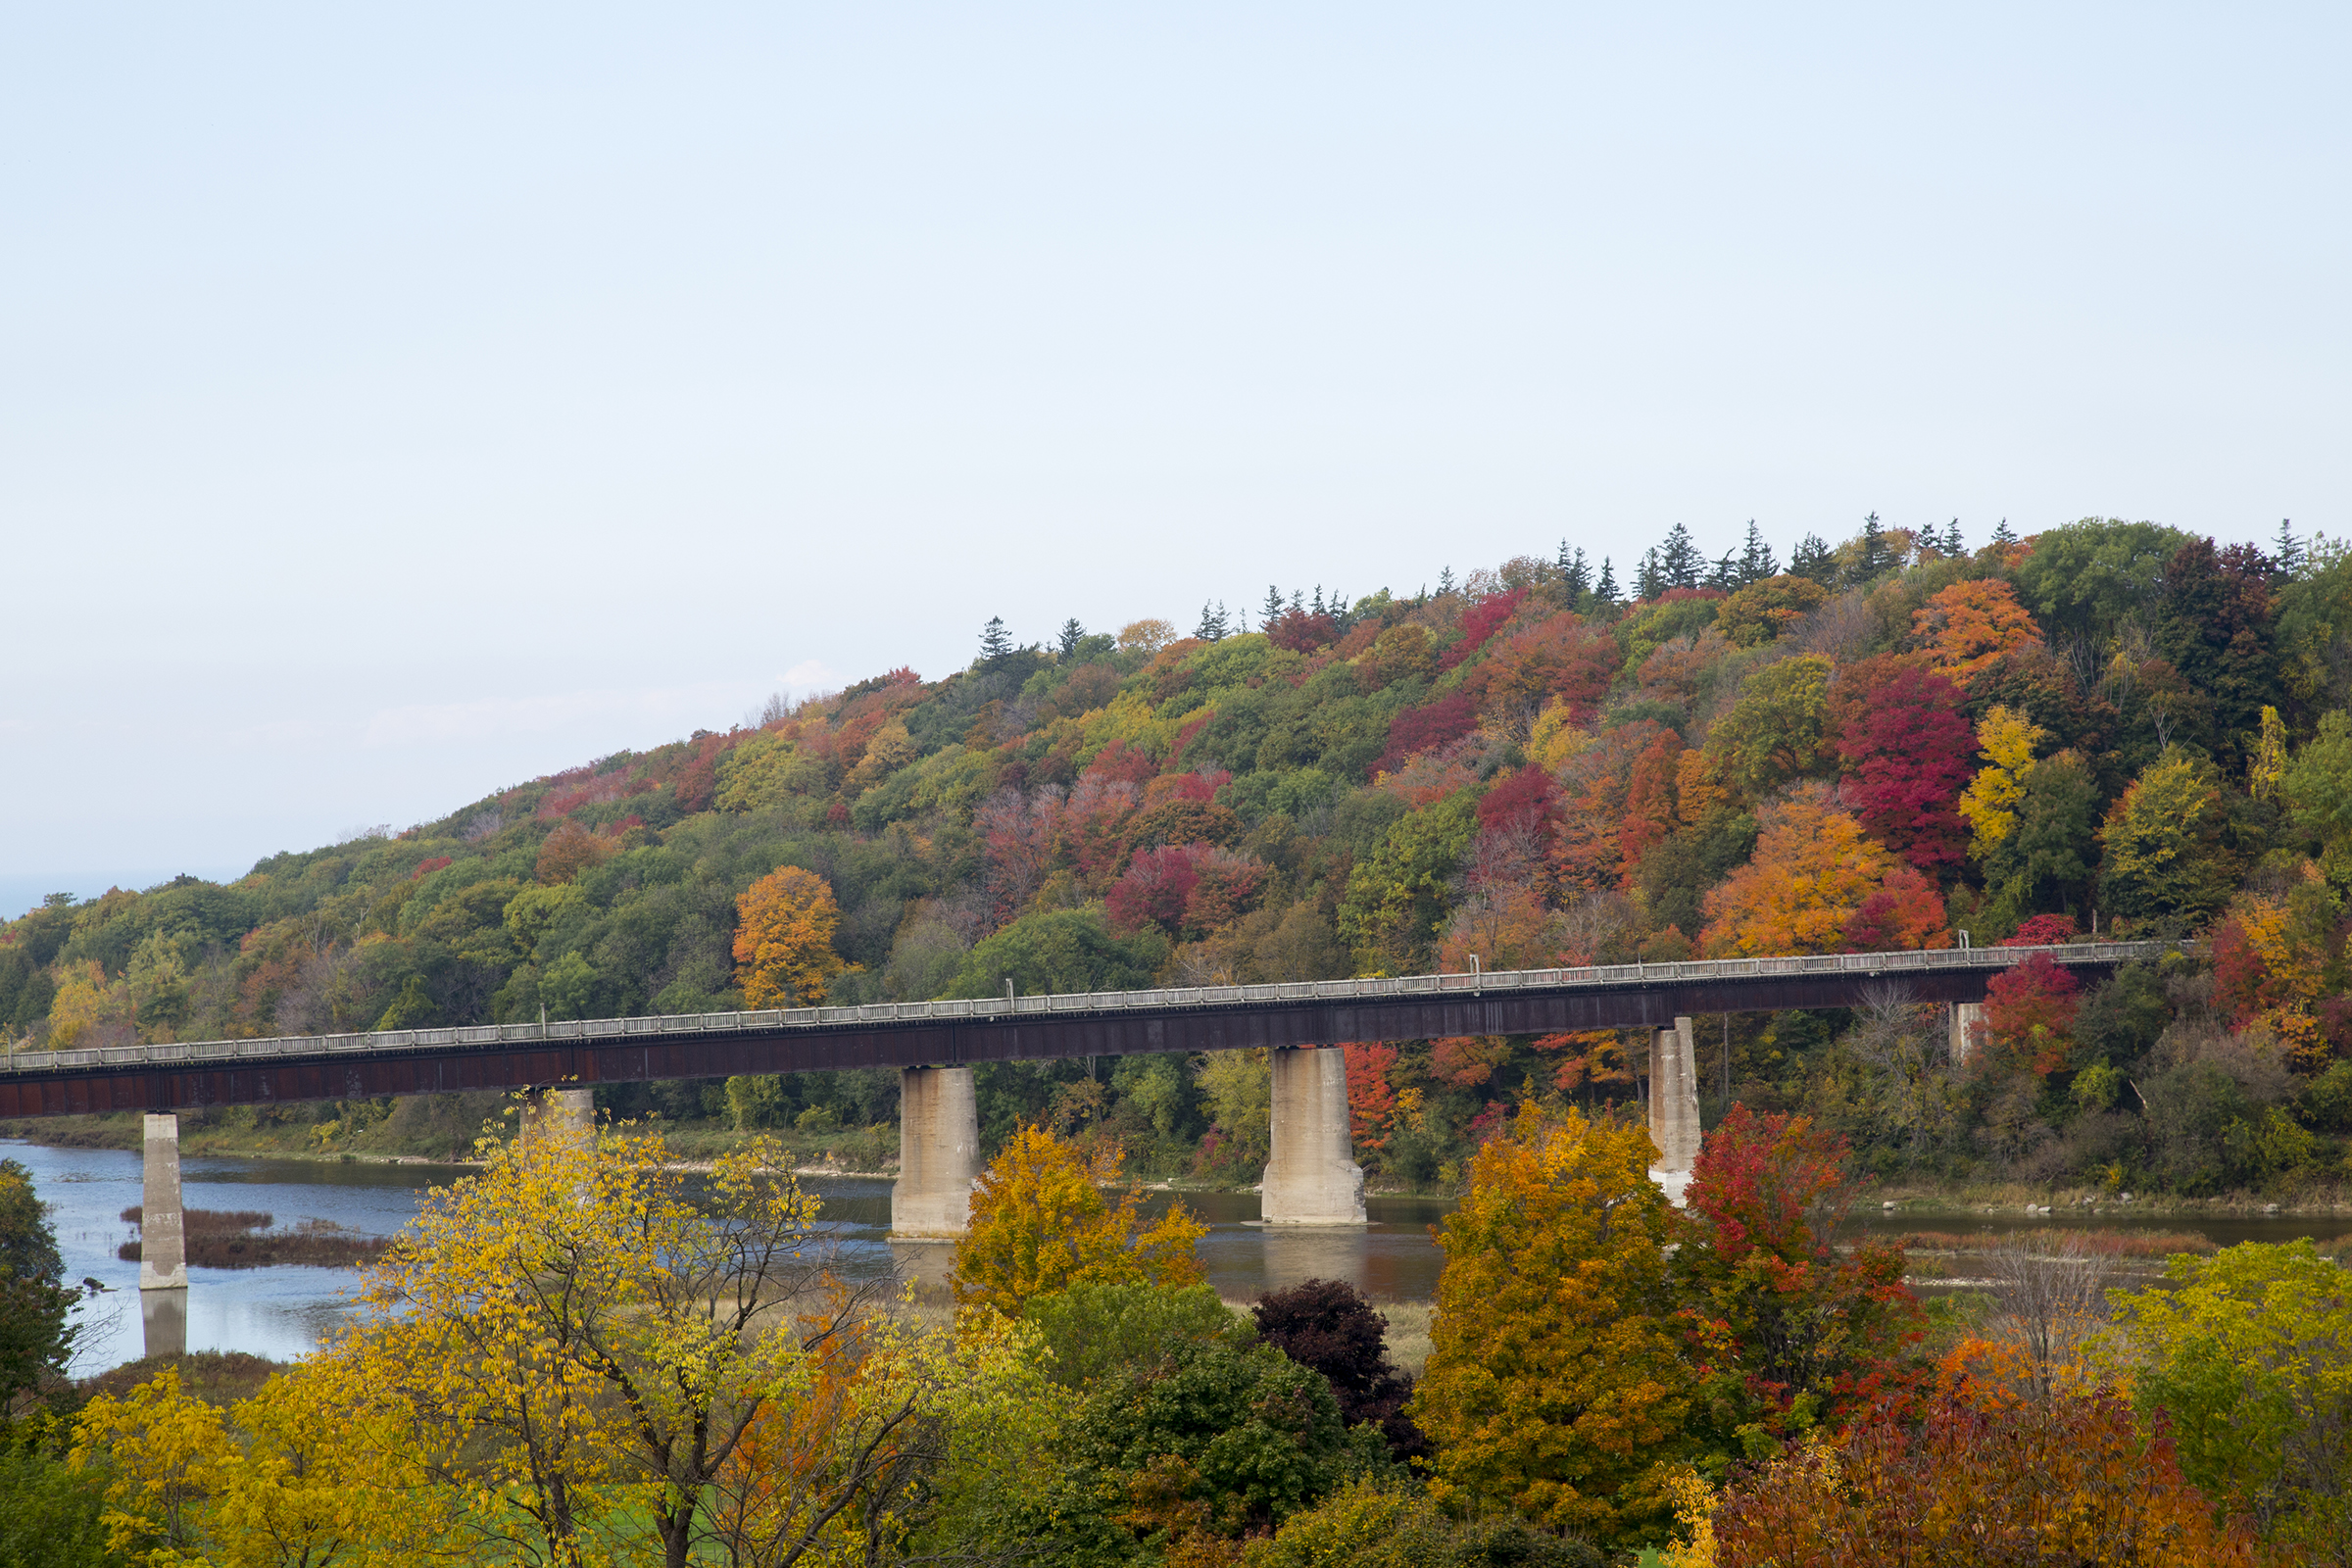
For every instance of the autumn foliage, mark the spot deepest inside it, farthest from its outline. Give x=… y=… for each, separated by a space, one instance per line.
x=1040 y=1223
x=784 y=939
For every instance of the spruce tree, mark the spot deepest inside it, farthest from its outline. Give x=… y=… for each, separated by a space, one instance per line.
x=1876 y=556
x=1604 y=591
x=2291 y=557
x=1212 y=623
x=1072 y=634
x=1445 y=582
x=1724 y=574
x=995 y=641
x=1756 y=561
x=1814 y=560
x=1953 y=545
x=1271 y=610
x=2001 y=535
x=1680 y=563
x=1574 y=576
x=1649 y=581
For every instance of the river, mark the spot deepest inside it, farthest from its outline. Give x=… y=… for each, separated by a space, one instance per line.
x=283 y=1312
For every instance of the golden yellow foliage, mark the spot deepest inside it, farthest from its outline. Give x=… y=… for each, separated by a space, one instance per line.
x=1813 y=869
x=1039 y=1224
x=1554 y=1382
x=2006 y=739
x=1555 y=741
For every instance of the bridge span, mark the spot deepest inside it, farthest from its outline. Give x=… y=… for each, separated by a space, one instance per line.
x=1312 y=1178
x=949 y=1034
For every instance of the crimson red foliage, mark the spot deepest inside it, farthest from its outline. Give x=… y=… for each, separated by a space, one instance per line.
x=2044 y=930
x=1481 y=622
x=426 y=867
x=1903 y=914
x=1432 y=724
x=1527 y=799
x=2029 y=1006
x=1185 y=890
x=1901 y=733
x=1121 y=763
x=1302 y=631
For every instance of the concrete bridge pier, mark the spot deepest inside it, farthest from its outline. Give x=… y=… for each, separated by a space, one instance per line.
x=939 y=1155
x=570 y=1110
x=162 y=1244
x=1967 y=1018
x=1312 y=1176
x=1674 y=1107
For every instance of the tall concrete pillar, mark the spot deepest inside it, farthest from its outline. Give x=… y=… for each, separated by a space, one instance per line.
x=1312 y=1177
x=1674 y=1106
x=939 y=1154
x=163 y=1234
x=1967 y=1018
x=566 y=1110
x=164 y=1322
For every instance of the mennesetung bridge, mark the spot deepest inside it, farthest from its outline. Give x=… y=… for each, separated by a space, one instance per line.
x=952 y=1034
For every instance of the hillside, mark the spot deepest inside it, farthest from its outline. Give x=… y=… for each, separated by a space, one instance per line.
x=1893 y=740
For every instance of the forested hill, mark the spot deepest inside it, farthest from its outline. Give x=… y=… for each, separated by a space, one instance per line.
x=1893 y=739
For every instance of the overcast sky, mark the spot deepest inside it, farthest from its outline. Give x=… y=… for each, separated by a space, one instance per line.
x=398 y=403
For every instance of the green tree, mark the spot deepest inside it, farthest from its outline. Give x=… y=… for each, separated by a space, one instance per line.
x=2086 y=579
x=1554 y=1385
x=2318 y=789
x=1399 y=900
x=2041 y=864
x=1774 y=731
x=35 y=1338
x=2248 y=1353
x=2164 y=855
x=1059 y=952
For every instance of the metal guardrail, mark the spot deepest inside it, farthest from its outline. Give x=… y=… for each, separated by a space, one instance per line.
x=1015 y=1009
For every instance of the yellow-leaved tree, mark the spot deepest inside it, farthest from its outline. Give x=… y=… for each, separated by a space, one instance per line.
x=1039 y=1224
x=2006 y=740
x=1554 y=1385
x=784 y=939
x=582 y=1334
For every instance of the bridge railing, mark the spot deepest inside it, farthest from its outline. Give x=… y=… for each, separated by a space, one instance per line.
x=1015 y=1009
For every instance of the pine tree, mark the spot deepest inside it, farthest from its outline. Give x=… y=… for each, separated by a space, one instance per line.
x=1605 y=592
x=1953 y=545
x=2291 y=557
x=1679 y=561
x=1072 y=634
x=1445 y=582
x=995 y=641
x=1271 y=610
x=1814 y=560
x=2001 y=535
x=1755 y=562
x=1317 y=601
x=1724 y=574
x=1564 y=558
x=1649 y=581
x=1214 y=623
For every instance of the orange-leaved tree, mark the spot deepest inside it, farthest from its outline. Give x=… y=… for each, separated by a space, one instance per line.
x=1813 y=873
x=2072 y=1480
x=1040 y=1224
x=784 y=939
x=1968 y=628
x=1554 y=1385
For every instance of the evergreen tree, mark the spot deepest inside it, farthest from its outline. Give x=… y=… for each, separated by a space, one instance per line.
x=1953 y=545
x=1877 y=556
x=995 y=641
x=1271 y=610
x=1574 y=576
x=2291 y=556
x=1678 y=562
x=1214 y=623
x=1072 y=634
x=2001 y=534
x=1726 y=574
x=1317 y=601
x=1445 y=582
x=1649 y=581
x=1756 y=561
x=1605 y=592
x=1814 y=560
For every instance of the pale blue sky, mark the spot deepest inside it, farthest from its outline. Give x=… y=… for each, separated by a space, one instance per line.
x=396 y=404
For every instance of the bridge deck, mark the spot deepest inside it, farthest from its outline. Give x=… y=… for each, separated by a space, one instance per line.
x=174 y=1076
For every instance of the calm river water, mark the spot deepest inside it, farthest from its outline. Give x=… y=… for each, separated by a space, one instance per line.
x=283 y=1312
